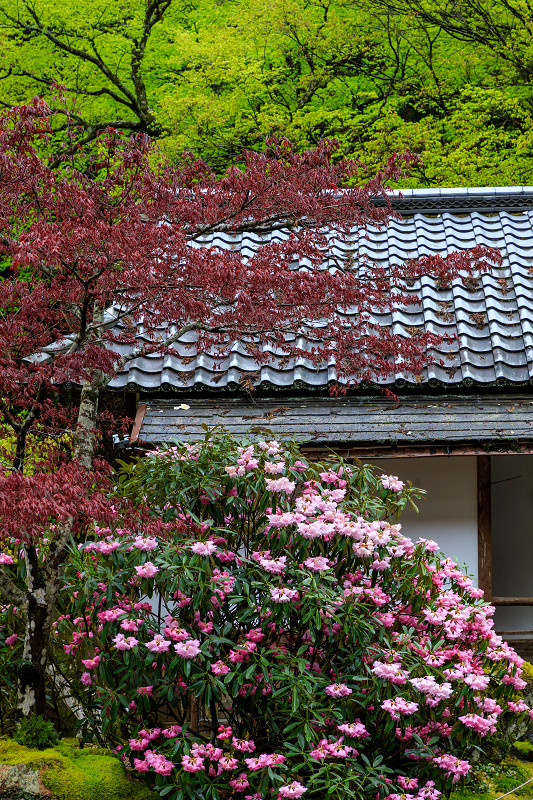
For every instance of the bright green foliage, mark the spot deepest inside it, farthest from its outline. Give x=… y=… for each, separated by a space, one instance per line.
x=36 y=732
x=74 y=774
x=217 y=78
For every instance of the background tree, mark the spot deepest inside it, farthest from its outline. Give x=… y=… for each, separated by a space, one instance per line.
x=219 y=78
x=99 y=51
x=91 y=261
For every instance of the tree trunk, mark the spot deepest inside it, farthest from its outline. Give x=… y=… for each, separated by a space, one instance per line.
x=41 y=597
x=87 y=418
x=43 y=578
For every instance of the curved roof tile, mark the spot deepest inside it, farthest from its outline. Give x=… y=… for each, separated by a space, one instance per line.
x=492 y=319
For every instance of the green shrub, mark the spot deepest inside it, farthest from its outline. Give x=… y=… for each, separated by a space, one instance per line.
x=36 y=732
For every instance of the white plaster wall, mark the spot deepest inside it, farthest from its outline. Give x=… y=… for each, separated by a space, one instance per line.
x=512 y=537
x=449 y=513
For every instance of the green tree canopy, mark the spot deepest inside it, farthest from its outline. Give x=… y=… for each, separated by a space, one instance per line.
x=216 y=78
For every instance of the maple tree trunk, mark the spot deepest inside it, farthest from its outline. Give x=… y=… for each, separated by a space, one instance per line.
x=41 y=598
x=87 y=418
x=43 y=578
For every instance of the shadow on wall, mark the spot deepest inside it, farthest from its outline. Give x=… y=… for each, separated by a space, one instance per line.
x=448 y=513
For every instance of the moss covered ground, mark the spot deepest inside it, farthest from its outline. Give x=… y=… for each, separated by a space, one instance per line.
x=493 y=780
x=72 y=773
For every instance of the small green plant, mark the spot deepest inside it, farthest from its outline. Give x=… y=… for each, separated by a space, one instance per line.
x=36 y=732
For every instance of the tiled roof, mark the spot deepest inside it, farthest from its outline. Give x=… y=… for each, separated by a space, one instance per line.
x=491 y=318
x=354 y=422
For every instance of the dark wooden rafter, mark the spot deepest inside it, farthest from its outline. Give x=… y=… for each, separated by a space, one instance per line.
x=484 y=529
x=512 y=601
x=421 y=451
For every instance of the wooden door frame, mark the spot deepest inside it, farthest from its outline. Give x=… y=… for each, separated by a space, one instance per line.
x=484 y=526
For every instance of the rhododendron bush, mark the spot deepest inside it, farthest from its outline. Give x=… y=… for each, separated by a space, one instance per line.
x=274 y=634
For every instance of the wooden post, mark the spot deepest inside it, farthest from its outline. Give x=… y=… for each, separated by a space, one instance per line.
x=484 y=529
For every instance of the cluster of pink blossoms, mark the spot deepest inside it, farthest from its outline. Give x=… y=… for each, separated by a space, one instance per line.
x=399 y=706
x=452 y=766
x=440 y=609
x=426 y=792
x=338 y=690
x=392 y=483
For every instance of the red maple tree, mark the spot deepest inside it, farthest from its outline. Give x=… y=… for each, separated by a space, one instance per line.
x=117 y=236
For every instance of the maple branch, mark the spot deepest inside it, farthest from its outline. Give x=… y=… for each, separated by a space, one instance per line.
x=138 y=352
x=55 y=555
x=136 y=101
x=10 y=592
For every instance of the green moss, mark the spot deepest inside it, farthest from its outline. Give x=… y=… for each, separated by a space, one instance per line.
x=490 y=781
x=524 y=750
x=74 y=774
x=527 y=675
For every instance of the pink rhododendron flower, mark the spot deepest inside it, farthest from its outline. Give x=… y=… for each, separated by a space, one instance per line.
x=275 y=566
x=139 y=744
x=516 y=707
x=227 y=763
x=515 y=682
x=174 y=632
x=321 y=751
x=145 y=544
x=123 y=643
x=147 y=570
x=431 y=688
x=91 y=663
x=428 y=792
x=158 y=644
x=223 y=732
x=280 y=485
x=10 y=640
x=192 y=763
x=243 y=745
x=338 y=690
x=272 y=448
x=316 y=564
x=188 y=649
x=5 y=558
x=146 y=690
x=219 y=668
x=452 y=766
x=240 y=783
x=339 y=750
x=264 y=760
x=407 y=783
x=274 y=467
x=399 y=706
x=106 y=548
x=283 y=594
x=172 y=732
x=392 y=672
x=392 y=483
x=478 y=682
x=294 y=789
x=481 y=725
x=429 y=545
x=354 y=729
x=489 y=705
x=203 y=548
x=130 y=625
